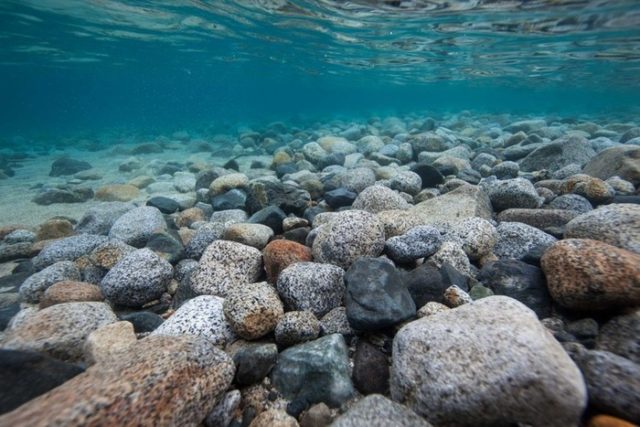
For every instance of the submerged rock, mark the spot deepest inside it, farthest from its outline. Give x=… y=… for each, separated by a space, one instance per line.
x=67 y=166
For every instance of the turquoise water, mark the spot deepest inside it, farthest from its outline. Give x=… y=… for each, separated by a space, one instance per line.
x=76 y=65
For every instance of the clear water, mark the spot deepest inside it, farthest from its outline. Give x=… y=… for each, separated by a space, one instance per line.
x=80 y=65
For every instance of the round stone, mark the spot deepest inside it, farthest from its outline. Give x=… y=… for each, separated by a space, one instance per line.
x=253 y=310
x=256 y=235
x=296 y=327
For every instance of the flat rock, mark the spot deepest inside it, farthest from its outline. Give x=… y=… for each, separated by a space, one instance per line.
x=511 y=193
x=34 y=287
x=108 y=342
x=117 y=193
x=255 y=235
x=589 y=275
x=67 y=166
x=60 y=330
x=148 y=385
x=70 y=291
x=418 y=242
x=490 y=362
x=548 y=220
x=100 y=218
x=67 y=249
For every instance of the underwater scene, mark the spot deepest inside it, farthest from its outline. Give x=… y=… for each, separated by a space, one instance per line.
x=363 y=213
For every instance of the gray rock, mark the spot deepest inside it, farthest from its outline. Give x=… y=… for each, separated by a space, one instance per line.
x=297 y=327
x=311 y=286
x=406 y=182
x=137 y=225
x=506 y=170
x=202 y=316
x=493 y=361
x=139 y=278
x=617 y=224
x=67 y=249
x=255 y=235
x=348 y=236
x=376 y=298
x=205 y=235
x=336 y=322
x=558 y=154
x=418 y=242
x=378 y=198
x=230 y=216
x=622 y=161
x=515 y=240
x=511 y=193
x=20 y=236
x=567 y=171
x=358 y=179
x=222 y=414
x=451 y=252
x=620 y=336
x=100 y=218
x=613 y=382
x=59 y=330
x=477 y=236
x=34 y=286
x=571 y=202
x=377 y=411
x=317 y=371
x=225 y=265
x=550 y=221
x=67 y=194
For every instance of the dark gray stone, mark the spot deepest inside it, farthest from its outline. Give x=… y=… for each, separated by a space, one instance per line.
x=558 y=154
x=428 y=283
x=165 y=205
x=25 y=375
x=143 y=321
x=167 y=246
x=271 y=216
x=289 y=198
x=232 y=199
x=418 y=242
x=67 y=166
x=254 y=362
x=100 y=218
x=316 y=371
x=620 y=336
x=205 y=235
x=376 y=296
x=518 y=280
x=370 y=369
x=430 y=176
x=63 y=195
x=340 y=197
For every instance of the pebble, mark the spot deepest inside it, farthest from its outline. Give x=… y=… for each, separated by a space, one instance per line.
x=455 y=297
x=296 y=327
x=515 y=240
x=206 y=234
x=202 y=316
x=253 y=361
x=136 y=226
x=253 y=310
x=590 y=275
x=419 y=242
x=316 y=371
x=495 y=363
x=622 y=161
x=279 y=254
x=274 y=418
x=143 y=321
x=99 y=219
x=225 y=265
x=477 y=235
x=511 y=193
x=222 y=414
x=378 y=198
x=34 y=287
x=70 y=291
x=311 y=286
x=255 y=235
x=358 y=179
x=336 y=322
x=431 y=308
x=571 y=202
x=228 y=182
x=117 y=193
x=370 y=369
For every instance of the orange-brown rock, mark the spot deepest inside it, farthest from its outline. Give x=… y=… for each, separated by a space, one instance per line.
x=159 y=381
x=70 y=291
x=55 y=228
x=608 y=421
x=117 y=193
x=584 y=274
x=279 y=254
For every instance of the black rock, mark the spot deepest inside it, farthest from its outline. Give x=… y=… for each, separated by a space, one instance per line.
x=232 y=164
x=518 y=280
x=271 y=216
x=296 y=406
x=205 y=178
x=370 y=369
x=298 y=235
x=254 y=362
x=248 y=415
x=376 y=296
x=430 y=176
x=289 y=198
x=164 y=204
x=311 y=212
x=67 y=166
x=428 y=283
x=25 y=375
x=339 y=197
x=167 y=247
x=232 y=199
x=143 y=321
x=256 y=164
x=627 y=199
x=63 y=195
x=282 y=170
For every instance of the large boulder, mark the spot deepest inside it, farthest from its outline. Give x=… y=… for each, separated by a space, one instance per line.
x=159 y=381
x=490 y=362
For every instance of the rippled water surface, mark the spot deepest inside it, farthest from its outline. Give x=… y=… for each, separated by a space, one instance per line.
x=87 y=63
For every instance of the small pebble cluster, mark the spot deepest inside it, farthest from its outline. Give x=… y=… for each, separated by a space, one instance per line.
x=407 y=271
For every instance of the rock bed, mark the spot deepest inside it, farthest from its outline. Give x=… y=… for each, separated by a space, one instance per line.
x=405 y=271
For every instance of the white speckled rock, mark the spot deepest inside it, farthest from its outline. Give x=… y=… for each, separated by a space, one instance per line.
x=452 y=253
x=33 y=288
x=511 y=193
x=202 y=316
x=140 y=277
x=358 y=179
x=296 y=327
x=490 y=362
x=418 y=242
x=516 y=239
x=348 y=236
x=59 y=330
x=378 y=198
x=406 y=182
x=225 y=265
x=311 y=286
x=137 y=225
x=477 y=235
x=67 y=249
x=253 y=310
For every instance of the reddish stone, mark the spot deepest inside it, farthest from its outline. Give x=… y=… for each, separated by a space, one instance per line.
x=279 y=254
